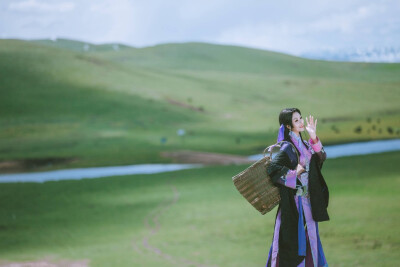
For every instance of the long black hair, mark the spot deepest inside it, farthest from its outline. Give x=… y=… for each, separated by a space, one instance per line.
x=285 y=118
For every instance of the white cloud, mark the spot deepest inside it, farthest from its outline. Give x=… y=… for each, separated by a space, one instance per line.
x=34 y=5
x=191 y=10
x=118 y=20
x=286 y=26
x=298 y=36
x=279 y=37
x=345 y=22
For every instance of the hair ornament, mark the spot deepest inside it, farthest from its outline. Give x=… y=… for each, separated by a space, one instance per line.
x=281 y=134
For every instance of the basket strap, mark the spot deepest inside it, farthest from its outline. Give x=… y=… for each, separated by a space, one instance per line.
x=279 y=144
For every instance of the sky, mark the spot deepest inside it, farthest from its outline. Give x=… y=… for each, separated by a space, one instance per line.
x=292 y=27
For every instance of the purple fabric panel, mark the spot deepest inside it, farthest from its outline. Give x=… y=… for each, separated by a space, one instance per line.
x=305 y=154
x=275 y=242
x=312 y=235
x=311 y=228
x=291 y=177
x=288 y=179
x=316 y=146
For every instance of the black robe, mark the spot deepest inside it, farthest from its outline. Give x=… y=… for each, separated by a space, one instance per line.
x=319 y=197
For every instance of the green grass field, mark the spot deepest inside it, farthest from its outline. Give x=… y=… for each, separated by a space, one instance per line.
x=106 y=107
x=64 y=107
x=194 y=217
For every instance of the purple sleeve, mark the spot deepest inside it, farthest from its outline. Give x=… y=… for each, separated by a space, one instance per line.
x=289 y=179
x=315 y=146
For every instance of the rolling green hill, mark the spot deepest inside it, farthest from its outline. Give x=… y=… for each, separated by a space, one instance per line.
x=105 y=106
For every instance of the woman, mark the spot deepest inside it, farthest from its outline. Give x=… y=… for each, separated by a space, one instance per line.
x=296 y=170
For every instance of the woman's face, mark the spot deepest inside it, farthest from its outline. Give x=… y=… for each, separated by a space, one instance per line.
x=297 y=123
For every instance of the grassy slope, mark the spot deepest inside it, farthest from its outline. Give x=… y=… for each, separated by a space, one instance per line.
x=55 y=104
x=244 y=87
x=111 y=107
x=198 y=215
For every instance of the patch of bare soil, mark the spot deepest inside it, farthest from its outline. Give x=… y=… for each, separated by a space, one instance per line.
x=181 y=104
x=46 y=263
x=23 y=165
x=92 y=60
x=207 y=158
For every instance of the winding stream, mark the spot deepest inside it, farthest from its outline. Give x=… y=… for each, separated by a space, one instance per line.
x=335 y=151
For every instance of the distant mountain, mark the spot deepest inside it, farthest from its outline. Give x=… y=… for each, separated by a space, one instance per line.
x=79 y=46
x=374 y=54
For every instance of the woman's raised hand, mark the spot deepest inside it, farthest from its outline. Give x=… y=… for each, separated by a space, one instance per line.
x=311 y=127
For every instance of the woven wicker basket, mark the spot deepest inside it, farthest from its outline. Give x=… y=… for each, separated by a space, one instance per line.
x=256 y=186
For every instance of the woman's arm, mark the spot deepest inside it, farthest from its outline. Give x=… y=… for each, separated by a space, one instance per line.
x=279 y=173
x=316 y=145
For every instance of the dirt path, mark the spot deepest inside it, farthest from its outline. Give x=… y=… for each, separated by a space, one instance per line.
x=46 y=263
x=183 y=156
x=155 y=228
x=26 y=165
